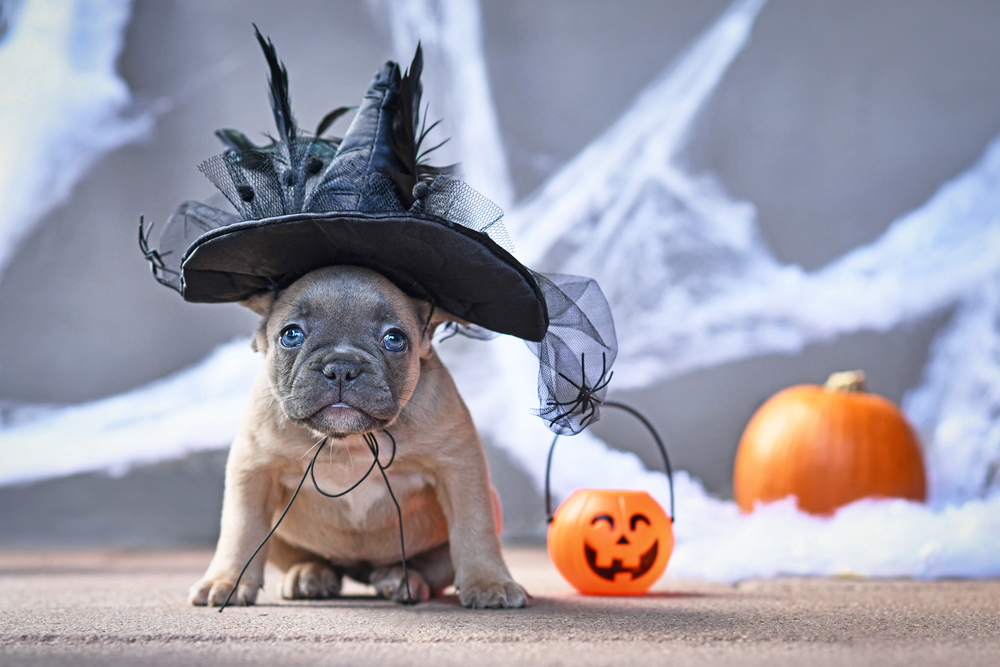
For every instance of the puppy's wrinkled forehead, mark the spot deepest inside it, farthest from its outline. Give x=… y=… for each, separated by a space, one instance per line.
x=347 y=292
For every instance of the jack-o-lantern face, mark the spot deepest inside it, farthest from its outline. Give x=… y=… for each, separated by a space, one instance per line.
x=613 y=542
x=610 y=542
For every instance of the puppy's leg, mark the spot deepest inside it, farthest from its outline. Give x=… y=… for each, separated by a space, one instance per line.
x=390 y=583
x=308 y=576
x=249 y=502
x=430 y=573
x=467 y=499
x=435 y=565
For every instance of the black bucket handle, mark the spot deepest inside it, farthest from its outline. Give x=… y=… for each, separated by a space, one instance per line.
x=652 y=431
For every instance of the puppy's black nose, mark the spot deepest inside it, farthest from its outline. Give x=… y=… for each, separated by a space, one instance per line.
x=342 y=370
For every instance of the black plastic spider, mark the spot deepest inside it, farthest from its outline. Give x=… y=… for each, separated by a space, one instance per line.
x=584 y=402
x=154 y=257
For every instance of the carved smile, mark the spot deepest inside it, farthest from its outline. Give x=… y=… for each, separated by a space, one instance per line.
x=645 y=563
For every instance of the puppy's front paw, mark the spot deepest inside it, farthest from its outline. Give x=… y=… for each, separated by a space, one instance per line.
x=500 y=595
x=389 y=583
x=213 y=591
x=311 y=580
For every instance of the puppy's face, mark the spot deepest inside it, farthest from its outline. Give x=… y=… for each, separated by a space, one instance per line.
x=343 y=348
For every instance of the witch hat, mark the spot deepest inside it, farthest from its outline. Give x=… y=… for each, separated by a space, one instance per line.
x=305 y=201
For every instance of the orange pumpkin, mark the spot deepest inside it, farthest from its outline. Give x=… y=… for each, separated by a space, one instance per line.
x=610 y=542
x=828 y=446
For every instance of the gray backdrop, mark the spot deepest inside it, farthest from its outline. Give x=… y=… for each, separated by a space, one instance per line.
x=840 y=116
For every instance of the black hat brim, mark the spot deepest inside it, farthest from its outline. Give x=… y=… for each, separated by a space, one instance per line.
x=458 y=269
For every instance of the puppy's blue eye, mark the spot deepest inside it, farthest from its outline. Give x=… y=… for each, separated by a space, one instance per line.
x=292 y=336
x=394 y=341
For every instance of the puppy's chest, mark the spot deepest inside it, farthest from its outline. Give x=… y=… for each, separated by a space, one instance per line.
x=369 y=501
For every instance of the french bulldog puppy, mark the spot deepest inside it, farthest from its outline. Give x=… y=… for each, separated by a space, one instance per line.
x=348 y=353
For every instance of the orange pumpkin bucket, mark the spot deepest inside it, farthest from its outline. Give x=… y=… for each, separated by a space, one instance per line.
x=611 y=541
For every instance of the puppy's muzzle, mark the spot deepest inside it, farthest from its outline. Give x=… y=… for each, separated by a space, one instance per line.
x=339 y=392
x=345 y=374
x=342 y=371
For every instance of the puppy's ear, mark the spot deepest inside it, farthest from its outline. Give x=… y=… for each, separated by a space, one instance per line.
x=259 y=341
x=260 y=303
x=430 y=318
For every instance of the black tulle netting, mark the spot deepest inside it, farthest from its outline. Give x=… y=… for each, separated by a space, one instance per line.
x=453 y=200
x=191 y=220
x=261 y=185
x=575 y=356
x=377 y=169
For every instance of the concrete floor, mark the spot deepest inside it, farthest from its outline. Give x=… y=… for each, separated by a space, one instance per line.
x=102 y=608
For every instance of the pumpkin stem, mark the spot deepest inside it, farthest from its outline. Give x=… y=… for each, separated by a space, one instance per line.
x=846 y=381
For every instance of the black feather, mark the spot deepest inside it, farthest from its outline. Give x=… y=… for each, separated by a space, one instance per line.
x=406 y=140
x=331 y=118
x=278 y=83
x=404 y=125
x=236 y=141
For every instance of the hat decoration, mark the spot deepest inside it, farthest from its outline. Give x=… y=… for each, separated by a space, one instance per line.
x=306 y=201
